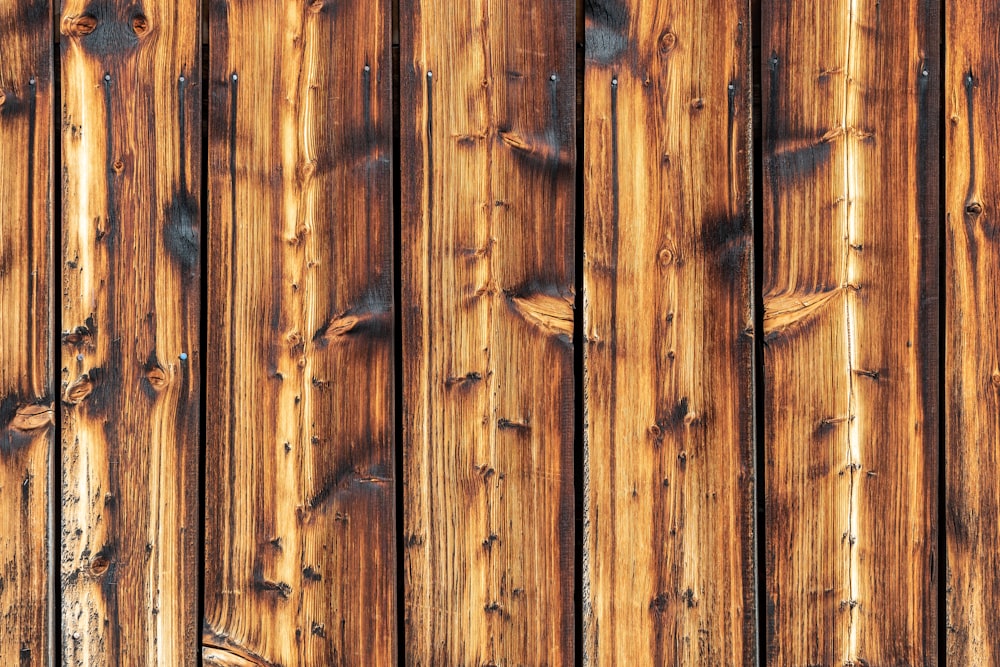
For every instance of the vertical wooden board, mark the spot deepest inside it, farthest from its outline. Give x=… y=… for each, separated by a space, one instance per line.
x=669 y=550
x=488 y=166
x=850 y=130
x=26 y=400
x=130 y=343
x=972 y=91
x=300 y=487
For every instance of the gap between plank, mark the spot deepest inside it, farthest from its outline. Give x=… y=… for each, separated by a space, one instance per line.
x=579 y=400
x=397 y=337
x=942 y=357
x=55 y=455
x=204 y=84
x=757 y=188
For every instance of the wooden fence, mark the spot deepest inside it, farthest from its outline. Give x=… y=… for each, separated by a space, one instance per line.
x=479 y=333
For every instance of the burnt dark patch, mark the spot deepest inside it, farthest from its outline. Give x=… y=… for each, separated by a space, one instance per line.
x=611 y=14
x=105 y=33
x=370 y=319
x=348 y=478
x=798 y=163
x=727 y=239
x=8 y=409
x=604 y=45
x=505 y=424
x=606 y=36
x=669 y=421
x=660 y=604
x=463 y=380
x=318 y=629
x=262 y=585
x=311 y=574
x=11 y=104
x=104 y=391
x=182 y=231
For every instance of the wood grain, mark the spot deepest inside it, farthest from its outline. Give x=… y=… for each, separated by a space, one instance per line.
x=669 y=523
x=488 y=163
x=300 y=489
x=131 y=234
x=851 y=245
x=972 y=91
x=26 y=394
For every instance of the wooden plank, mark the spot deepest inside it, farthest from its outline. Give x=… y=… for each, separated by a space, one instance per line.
x=131 y=127
x=851 y=234
x=26 y=394
x=301 y=489
x=972 y=376
x=669 y=547
x=488 y=166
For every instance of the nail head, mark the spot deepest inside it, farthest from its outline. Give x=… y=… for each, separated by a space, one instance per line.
x=183 y=356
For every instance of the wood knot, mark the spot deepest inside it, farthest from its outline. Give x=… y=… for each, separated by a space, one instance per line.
x=140 y=25
x=78 y=390
x=995 y=379
x=697 y=104
x=306 y=170
x=667 y=42
x=31 y=417
x=158 y=378
x=974 y=208
x=665 y=257
x=118 y=166
x=79 y=26
x=316 y=6
x=552 y=314
x=100 y=565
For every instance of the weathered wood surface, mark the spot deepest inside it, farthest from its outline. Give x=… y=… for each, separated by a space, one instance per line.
x=131 y=127
x=26 y=396
x=669 y=550
x=488 y=162
x=972 y=376
x=851 y=244
x=300 y=487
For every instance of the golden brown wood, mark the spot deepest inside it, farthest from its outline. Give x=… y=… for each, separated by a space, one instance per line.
x=972 y=91
x=850 y=128
x=488 y=164
x=26 y=400
x=669 y=555
x=300 y=488
x=130 y=346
